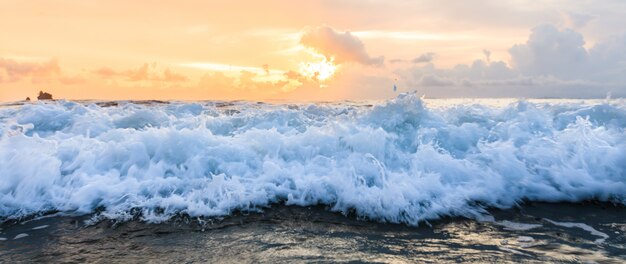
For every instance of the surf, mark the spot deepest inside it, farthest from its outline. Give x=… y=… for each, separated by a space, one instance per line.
x=399 y=161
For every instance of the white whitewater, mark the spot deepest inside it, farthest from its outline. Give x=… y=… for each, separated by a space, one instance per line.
x=398 y=161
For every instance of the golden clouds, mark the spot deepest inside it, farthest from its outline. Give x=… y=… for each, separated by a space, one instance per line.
x=339 y=47
x=36 y=72
x=145 y=72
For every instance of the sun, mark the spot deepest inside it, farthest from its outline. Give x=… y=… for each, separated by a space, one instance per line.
x=321 y=70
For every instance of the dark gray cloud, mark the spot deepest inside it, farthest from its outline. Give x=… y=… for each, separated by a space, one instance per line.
x=424 y=58
x=434 y=81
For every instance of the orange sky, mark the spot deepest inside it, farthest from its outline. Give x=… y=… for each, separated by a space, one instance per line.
x=257 y=50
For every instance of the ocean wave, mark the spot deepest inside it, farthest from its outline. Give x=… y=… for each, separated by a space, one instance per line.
x=397 y=161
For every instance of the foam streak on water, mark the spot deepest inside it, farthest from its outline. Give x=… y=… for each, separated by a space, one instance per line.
x=398 y=161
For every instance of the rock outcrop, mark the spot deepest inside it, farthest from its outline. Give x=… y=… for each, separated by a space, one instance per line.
x=44 y=96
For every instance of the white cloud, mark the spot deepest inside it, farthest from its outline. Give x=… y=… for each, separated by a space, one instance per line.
x=343 y=47
x=575 y=20
x=552 y=63
x=550 y=51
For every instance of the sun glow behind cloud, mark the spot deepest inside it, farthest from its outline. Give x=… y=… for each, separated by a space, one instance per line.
x=321 y=70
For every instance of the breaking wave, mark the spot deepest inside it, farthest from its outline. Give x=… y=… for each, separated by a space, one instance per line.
x=397 y=161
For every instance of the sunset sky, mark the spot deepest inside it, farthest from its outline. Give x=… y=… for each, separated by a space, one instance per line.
x=311 y=50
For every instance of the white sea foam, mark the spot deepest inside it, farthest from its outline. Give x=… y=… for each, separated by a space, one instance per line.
x=20 y=235
x=398 y=161
x=525 y=239
x=588 y=228
x=517 y=226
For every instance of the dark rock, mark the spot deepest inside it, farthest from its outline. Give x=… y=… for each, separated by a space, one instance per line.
x=27 y=98
x=44 y=96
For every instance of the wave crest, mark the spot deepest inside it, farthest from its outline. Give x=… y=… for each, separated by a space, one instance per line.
x=398 y=161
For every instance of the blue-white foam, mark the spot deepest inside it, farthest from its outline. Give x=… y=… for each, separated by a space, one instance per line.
x=398 y=161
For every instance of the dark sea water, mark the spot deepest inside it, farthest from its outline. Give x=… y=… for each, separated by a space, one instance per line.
x=290 y=234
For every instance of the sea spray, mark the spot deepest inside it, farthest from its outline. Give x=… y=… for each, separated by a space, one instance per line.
x=397 y=161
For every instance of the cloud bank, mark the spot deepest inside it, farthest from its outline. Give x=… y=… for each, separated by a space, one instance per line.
x=15 y=71
x=144 y=73
x=552 y=63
